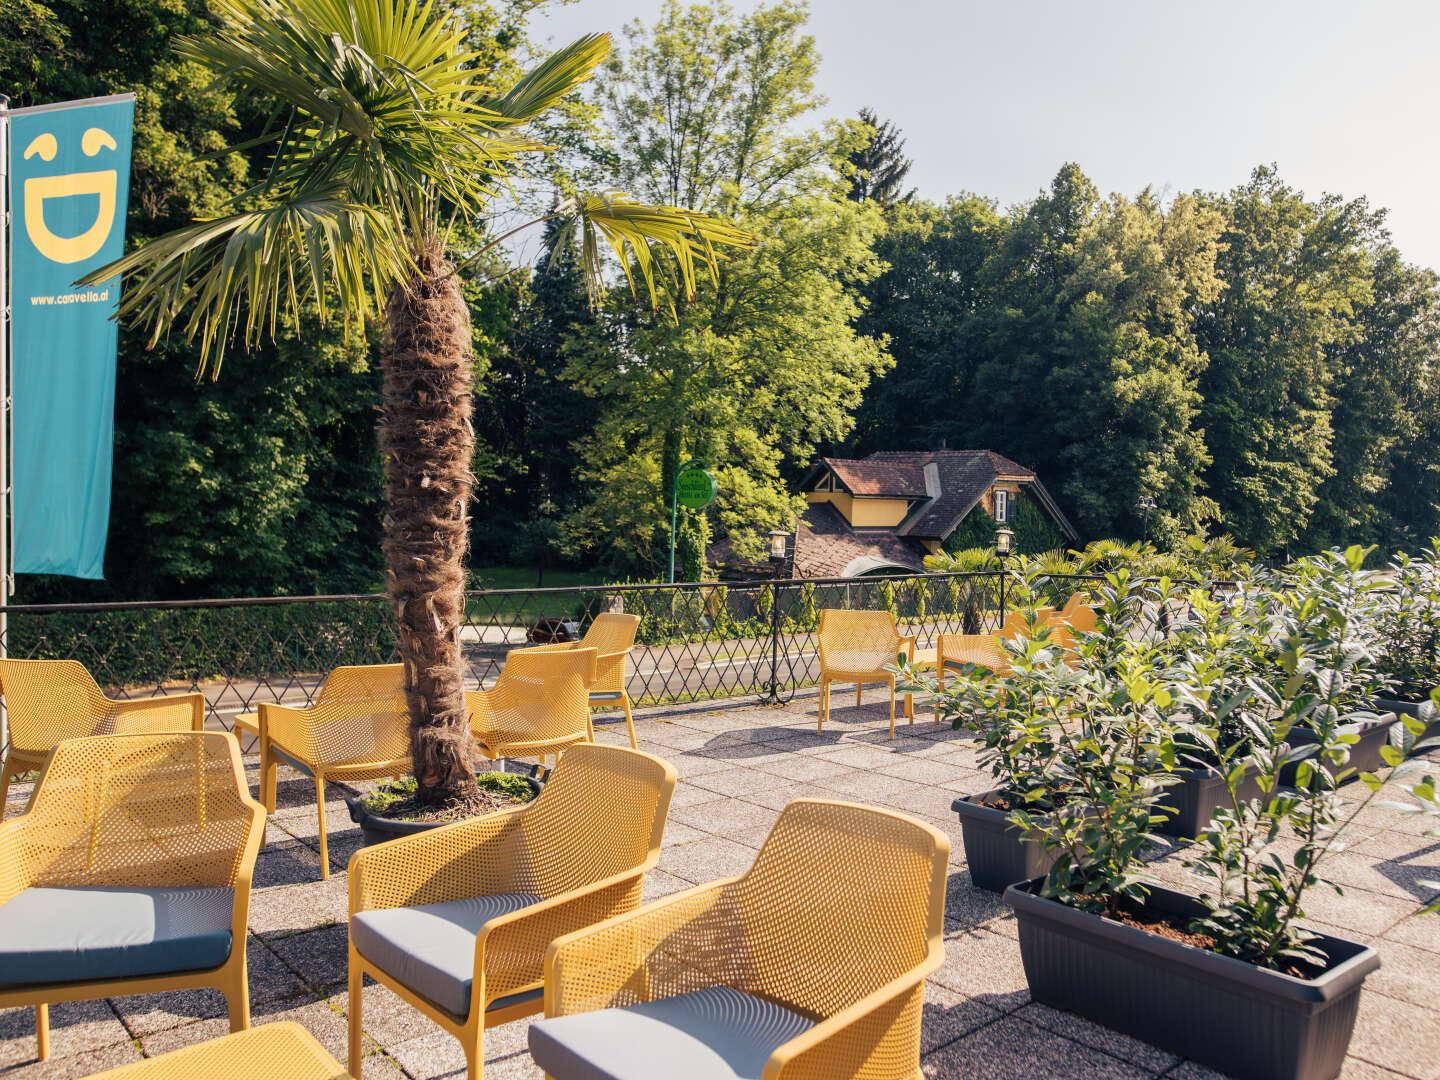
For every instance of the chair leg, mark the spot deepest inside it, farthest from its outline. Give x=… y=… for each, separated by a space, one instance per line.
x=5 y=774
x=237 y=998
x=589 y=726
x=269 y=776
x=858 y=688
x=357 y=982
x=475 y=1054
x=824 y=706
x=42 y=1032
x=629 y=720
x=324 y=848
x=892 y=708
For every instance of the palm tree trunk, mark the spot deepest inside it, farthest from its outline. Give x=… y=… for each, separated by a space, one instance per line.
x=428 y=444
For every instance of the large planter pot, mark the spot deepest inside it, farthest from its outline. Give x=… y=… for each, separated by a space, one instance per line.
x=1406 y=708
x=376 y=828
x=996 y=852
x=1249 y=1022
x=1197 y=796
x=1364 y=755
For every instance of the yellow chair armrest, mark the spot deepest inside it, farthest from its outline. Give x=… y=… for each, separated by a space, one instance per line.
x=16 y=870
x=245 y=868
x=511 y=948
x=454 y=862
x=624 y=960
x=878 y=1037
x=907 y=645
x=288 y=728
x=179 y=711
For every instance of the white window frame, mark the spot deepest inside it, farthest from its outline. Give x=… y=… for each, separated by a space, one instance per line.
x=1001 y=498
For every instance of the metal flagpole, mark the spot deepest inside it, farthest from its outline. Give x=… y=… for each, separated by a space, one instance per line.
x=7 y=579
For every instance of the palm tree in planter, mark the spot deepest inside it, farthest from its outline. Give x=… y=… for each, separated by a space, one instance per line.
x=389 y=136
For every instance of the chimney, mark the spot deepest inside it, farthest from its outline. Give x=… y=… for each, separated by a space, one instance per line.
x=944 y=444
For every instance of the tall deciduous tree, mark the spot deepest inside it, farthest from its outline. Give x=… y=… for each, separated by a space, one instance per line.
x=1294 y=275
x=878 y=167
x=388 y=134
x=757 y=373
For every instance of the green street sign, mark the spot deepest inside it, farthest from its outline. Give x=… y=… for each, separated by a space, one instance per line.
x=694 y=488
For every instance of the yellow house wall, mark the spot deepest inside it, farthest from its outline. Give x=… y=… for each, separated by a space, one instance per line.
x=863 y=513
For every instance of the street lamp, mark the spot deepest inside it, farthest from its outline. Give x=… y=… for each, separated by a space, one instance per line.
x=779 y=540
x=1004 y=538
x=1146 y=503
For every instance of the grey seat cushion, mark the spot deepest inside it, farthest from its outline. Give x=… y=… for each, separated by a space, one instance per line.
x=74 y=934
x=431 y=948
x=712 y=1034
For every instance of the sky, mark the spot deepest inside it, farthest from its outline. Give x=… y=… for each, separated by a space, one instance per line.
x=994 y=97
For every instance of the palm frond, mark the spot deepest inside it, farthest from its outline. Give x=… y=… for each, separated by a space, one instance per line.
x=248 y=271
x=634 y=231
x=555 y=76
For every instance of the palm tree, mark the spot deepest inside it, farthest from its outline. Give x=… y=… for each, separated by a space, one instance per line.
x=386 y=136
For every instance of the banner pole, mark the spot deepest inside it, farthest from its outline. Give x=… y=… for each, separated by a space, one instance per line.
x=6 y=578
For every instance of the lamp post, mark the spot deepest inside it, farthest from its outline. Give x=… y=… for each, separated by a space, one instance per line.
x=1004 y=539
x=779 y=540
x=1146 y=503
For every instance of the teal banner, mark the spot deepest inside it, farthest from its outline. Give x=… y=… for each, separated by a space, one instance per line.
x=69 y=177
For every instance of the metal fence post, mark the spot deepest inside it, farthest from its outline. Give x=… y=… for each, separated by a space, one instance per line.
x=772 y=697
x=1003 y=611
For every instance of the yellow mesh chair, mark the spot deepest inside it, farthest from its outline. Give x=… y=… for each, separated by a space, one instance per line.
x=985 y=650
x=48 y=701
x=540 y=704
x=855 y=646
x=129 y=874
x=456 y=920
x=272 y=1051
x=612 y=636
x=813 y=963
x=358 y=729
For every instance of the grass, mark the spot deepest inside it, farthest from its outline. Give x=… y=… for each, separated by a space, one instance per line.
x=526 y=610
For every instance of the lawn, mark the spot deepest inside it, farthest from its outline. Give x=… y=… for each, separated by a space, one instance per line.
x=525 y=610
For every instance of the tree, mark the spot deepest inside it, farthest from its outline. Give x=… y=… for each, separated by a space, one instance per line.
x=387 y=135
x=1294 y=274
x=879 y=166
x=756 y=373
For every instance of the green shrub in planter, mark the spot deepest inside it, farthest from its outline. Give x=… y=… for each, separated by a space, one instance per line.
x=1410 y=627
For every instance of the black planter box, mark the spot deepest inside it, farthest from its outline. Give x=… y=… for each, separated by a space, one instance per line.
x=376 y=829
x=1249 y=1022
x=1364 y=755
x=996 y=852
x=1406 y=708
x=1196 y=797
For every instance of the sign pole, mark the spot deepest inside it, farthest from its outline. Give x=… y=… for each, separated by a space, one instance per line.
x=693 y=488
x=6 y=578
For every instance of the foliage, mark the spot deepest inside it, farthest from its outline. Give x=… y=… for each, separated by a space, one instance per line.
x=755 y=374
x=877 y=168
x=1322 y=616
x=1035 y=532
x=510 y=786
x=976 y=530
x=1410 y=625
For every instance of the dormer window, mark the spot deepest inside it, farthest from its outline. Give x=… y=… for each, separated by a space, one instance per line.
x=1002 y=507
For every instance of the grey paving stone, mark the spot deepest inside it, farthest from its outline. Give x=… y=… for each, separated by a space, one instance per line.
x=320 y=957
x=687 y=793
x=949 y=1015
x=74 y=1066
x=288 y=909
x=676 y=833
x=1396 y=1036
x=1011 y=1049
x=430 y=1057
x=706 y=860
x=385 y=1017
x=984 y=966
x=739 y=781
x=805 y=768
x=76 y=1027
x=723 y=816
x=285 y=860
x=658 y=883
x=1093 y=1035
x=146 y=1014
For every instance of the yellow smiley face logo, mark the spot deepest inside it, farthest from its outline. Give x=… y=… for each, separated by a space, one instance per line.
x=40 y=189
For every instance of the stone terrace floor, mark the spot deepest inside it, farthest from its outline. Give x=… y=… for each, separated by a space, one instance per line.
x=739 y=764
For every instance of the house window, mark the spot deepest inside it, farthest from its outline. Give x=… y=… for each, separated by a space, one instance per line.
x=1002 y=506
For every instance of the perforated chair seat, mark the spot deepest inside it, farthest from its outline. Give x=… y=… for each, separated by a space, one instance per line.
x=718 y=1033
x=51 y=935
x=431 y=948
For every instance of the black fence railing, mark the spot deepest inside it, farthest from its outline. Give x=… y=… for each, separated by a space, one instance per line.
x=695 y=641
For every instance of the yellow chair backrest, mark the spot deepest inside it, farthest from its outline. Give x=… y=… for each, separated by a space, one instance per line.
x=841 y=899
x=138 y=810
x=601 y=813
x=541 y=695
x=47 y=701
x=611 y=632
x=360 y=714
x=843 y=630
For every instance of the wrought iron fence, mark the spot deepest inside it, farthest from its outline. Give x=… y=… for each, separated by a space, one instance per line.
x=695 y=641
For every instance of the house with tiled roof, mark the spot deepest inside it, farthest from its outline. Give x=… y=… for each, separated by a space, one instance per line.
x=886 y=512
